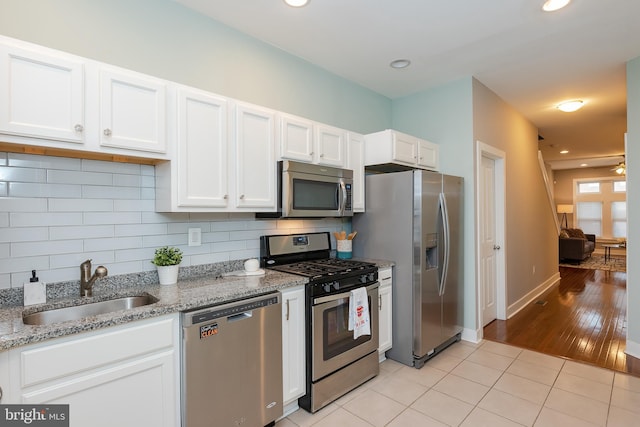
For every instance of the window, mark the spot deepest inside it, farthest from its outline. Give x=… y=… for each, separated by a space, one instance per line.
x=601 y=206
x=590 y=217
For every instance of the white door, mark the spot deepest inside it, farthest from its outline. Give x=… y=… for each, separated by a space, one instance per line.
x=330 y=146
x=488 y=244
x=296 y=138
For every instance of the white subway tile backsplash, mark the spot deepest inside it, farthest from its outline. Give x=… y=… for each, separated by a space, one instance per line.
x=23 y=249
x=134 y=205
x=24 y=189
x=75 y=177
x=17 y=204
x=114 y=244
x=140 y=230
x=81 y=232
x=110 y=192
x=22 y=174
x=36 y=219
x=110 y=167
x=80 y=205
x=43 y=162
x=26 y=234
x=61 y=212
x=111 y=218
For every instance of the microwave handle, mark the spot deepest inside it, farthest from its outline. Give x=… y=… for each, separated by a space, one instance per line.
x=343 y=204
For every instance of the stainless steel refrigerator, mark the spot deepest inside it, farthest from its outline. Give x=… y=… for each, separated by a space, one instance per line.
x=414 y=218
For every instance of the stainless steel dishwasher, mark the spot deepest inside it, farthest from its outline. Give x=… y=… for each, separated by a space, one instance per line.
x=232 y=363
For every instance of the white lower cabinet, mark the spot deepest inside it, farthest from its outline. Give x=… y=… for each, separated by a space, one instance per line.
x=385 y=314
x=124 y=375
x=293 y=347
x=5 y=386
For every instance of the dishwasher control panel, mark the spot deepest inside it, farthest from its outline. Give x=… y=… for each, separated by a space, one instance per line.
x=231 y=309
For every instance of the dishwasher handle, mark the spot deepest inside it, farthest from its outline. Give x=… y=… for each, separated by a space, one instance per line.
x=234 y=311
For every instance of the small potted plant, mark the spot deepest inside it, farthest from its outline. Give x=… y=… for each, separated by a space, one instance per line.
x=167 y=260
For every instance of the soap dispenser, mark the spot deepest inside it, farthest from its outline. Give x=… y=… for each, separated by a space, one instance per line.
x=35 y=292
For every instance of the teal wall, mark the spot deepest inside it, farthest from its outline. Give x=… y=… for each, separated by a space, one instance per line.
x=167 y=40
x=633 y=205
x=444 y=115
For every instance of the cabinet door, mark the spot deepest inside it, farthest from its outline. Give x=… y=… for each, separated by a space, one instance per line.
x=132 y=111
x=404 y=149
x=130 y=394
x=293 y=344
x=202 y=150
x=330 y=144
x=296 y=138
x=255 y=157
x=355 y=162
x=427 y=155
x=41 y=95
x=5 y=387
x=385 y=313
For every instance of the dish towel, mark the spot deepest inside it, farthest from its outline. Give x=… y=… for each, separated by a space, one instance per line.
x=359 y=321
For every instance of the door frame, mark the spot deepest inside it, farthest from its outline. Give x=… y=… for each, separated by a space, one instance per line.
x=500 y=158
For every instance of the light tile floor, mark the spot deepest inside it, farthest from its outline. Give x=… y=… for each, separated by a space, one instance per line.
x=488 y=384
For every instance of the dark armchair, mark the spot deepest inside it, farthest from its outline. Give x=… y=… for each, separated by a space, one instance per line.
x=574 y=245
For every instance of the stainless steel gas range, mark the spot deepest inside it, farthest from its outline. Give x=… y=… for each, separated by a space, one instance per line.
x=336 y=363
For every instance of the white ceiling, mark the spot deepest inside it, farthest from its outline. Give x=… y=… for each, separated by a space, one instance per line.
x=530 y=58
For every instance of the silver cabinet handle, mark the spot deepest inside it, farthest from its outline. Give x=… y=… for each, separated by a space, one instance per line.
x=242 y=197
x=78 y=128
x=0 y=393
x=107 y=132
x=311 y=153
x=226 y=196
x=321 y=156
x=287 y=310
x=496 y=247
x=379 y=302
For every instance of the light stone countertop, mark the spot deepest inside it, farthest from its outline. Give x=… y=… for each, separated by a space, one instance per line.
x=187 y=294
x=198 y=286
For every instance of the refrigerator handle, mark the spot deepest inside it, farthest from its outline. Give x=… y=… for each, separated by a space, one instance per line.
x=445 y=224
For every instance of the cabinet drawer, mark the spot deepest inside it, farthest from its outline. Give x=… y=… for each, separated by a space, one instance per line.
x=67 y=356
x=384 y=274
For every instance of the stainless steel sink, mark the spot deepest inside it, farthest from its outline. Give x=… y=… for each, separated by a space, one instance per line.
x=77 y=312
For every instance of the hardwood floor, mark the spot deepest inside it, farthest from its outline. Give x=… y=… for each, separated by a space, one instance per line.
x=583 y=319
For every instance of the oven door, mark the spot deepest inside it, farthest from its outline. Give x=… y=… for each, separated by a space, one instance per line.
x=332 y=343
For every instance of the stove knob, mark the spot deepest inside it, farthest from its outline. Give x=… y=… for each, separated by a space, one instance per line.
x=336 y=285
x=327 y=287
x=372 y=277
x=363 y=278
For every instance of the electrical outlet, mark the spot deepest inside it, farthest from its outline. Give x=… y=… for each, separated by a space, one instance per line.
x=195 y=237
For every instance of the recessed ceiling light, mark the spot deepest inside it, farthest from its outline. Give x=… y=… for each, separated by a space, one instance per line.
x=296 y=3
x=400 y=63
x=564 y=151
x=570 y=106
x=583 y=165
x=553 y=5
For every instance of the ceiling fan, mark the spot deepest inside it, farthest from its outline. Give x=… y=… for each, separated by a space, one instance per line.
x=621 y=168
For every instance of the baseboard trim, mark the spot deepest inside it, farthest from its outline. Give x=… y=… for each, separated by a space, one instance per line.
x=514 y=308
x=632 y=349
x=471 y=335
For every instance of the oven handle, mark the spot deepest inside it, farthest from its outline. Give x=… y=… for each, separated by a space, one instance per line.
x=334 y=297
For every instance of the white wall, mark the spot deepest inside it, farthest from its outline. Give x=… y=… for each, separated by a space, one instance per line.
x=633 y=206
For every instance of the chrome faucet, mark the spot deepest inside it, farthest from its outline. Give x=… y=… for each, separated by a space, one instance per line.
x=86 y=280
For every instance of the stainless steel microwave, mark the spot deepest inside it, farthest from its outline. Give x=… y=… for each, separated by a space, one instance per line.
x=312 y=191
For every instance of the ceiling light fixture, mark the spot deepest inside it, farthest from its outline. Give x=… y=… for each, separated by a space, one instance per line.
x=621 y=168
x=553 y=5
x=296 y=3
x=564 y=152
x=400 y=63
x=571 y=106
x=583 y=165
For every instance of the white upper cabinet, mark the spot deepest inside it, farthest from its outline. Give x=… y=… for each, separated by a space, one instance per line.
x=311 y=142
x=330 y=146
x=41 y=94
x=132 y=111
x=255 y=159
x=202 y=150
x=355 y=162
x=389 y=147
x=296 y=138
x=223 y=160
